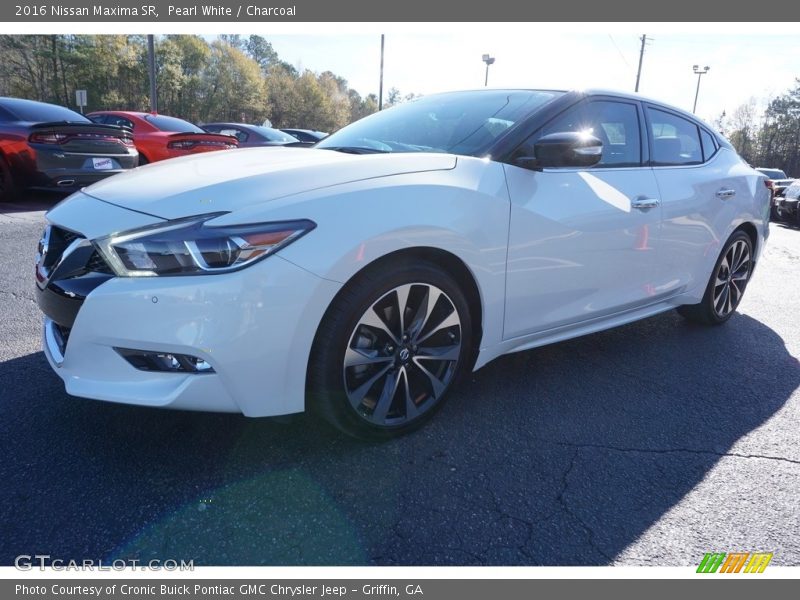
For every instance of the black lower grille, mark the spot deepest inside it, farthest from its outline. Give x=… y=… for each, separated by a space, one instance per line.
x=97 y=264
x=61 y=336
x=67 y=236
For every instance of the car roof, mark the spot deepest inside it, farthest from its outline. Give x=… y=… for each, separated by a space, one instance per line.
x=303 y=130
x=123 y=112
x=230 y=124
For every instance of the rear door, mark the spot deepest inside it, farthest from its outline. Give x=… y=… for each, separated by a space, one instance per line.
x=583 y=241
x=699 y=185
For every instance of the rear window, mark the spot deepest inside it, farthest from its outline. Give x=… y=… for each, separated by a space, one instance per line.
x=709 y=146
x=274 y=135
x=172 y=124
x=117 y=120
x=773 y=173
x=232 y=131
x=40 y=112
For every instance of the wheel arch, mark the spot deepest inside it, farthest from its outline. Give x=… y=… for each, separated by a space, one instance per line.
x=451 y=263
x=752 y=233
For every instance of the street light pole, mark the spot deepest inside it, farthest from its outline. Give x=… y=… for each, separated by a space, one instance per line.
x=699 y=72
x=151 y=67
x=380 y=88
x=489 y=61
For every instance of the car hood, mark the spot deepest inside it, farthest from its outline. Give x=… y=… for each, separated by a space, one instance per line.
x=227 y=181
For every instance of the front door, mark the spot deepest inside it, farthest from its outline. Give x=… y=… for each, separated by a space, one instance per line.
x=583 y=242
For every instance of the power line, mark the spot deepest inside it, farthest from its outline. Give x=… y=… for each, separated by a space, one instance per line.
x=622 y=56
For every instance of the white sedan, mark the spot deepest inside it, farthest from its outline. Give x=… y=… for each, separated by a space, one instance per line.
x=361 y=277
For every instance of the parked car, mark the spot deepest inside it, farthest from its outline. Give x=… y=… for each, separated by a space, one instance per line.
x=158 y=137
x=777 y=182
x=306 y=135
x=252 y=135
x=49 y=147
x=787 y=205
x=362 y=277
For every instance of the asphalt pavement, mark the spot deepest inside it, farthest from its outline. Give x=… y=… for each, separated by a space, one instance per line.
x=650 y=444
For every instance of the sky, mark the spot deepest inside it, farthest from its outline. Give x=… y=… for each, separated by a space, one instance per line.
x=742 y=65
x=746 y=60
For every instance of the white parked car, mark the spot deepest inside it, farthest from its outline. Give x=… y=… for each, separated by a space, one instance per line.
x=361 y=277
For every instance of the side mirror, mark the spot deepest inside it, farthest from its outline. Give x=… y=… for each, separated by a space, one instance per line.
x=563 y=149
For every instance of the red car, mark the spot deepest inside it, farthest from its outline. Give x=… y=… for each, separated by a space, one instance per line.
x=158 y=137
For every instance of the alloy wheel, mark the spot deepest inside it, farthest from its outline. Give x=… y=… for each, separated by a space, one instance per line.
x=731 y=278
x=402 y=354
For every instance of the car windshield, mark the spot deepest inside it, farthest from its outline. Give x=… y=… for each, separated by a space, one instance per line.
x=773 y=173
x=39 y=112
x=457 y=122
x=172 y=124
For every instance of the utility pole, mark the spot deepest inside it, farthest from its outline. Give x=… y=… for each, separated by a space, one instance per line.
x=151 y=64
x=641 y=56
x=380 y=89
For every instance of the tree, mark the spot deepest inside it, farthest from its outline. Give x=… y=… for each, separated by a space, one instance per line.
x=231 y=78
x=743 y=130
x=234 y=88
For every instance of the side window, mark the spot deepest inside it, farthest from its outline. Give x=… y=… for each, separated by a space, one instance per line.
x=101 y=119
x=676 y=141
x=709 y=145
x=616 y=124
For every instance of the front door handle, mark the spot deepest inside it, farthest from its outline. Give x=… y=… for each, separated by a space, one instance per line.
x=726 y=193
x=645 y=203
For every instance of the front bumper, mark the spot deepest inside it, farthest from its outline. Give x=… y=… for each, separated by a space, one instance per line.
x=254 y=327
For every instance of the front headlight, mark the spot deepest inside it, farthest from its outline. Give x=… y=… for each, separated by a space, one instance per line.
x=190 y=246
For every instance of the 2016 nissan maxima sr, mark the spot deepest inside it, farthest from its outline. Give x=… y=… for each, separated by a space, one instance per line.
x=363 y=276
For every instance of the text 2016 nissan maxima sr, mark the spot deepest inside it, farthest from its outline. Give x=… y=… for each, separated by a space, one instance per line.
x=361 y=277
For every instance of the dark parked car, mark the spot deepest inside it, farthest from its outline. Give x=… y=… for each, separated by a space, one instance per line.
x=306 y=135
x=252 y=135
x=787 y=206
x=777 y=182
x=44 y=146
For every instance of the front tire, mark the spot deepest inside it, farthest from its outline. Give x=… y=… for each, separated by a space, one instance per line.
x=727 y=283
x=389 y=348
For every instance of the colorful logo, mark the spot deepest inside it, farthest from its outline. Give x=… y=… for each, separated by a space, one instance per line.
x=734 y=562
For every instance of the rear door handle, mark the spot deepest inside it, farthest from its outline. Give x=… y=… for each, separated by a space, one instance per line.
x=645 y=203
x=726 y=193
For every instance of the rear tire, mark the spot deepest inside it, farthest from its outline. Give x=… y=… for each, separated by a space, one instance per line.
x=727 y=284
x=8 y=190
x=377 y=370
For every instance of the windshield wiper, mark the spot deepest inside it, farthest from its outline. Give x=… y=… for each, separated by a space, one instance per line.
x=355 y=149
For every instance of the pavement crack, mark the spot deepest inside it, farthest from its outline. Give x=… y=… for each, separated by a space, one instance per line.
x=17 y=296
x=562 y=501
x=672 y=451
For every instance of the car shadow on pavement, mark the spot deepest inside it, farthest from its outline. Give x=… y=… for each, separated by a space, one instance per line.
x=563 y=455
x=34 y=201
